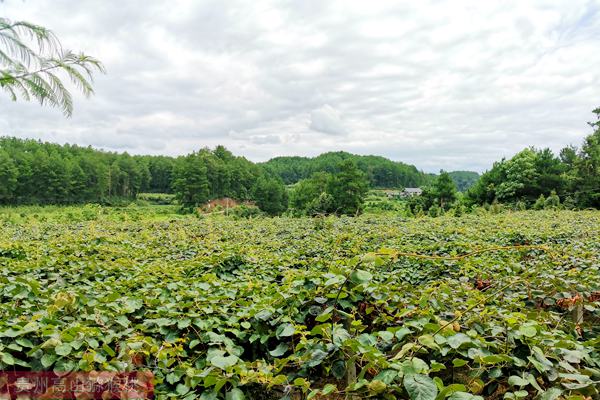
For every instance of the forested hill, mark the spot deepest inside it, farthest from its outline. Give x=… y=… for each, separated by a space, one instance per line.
x=382 y=172
x=464 y=179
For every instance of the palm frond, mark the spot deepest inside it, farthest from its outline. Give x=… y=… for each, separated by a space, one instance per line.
x=33 y=72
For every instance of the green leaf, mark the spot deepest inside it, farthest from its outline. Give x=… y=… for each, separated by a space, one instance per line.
x=172 y=378
x=458 y=362
x=551 y=394
x=7 y=359
x=494 y=359
x=24 y=342
x=235 y=394
x=279 y=350
x=386 y=336
x=328 y=389
x=47 y=360
x=122 y=320
x=132 y=305
x=183 y=323
x=108 y=350
x=515 y=380
x=182 y=389
x=428 y=341
x=360 y=276
x=376 y=386
x=464 y=396
x=386 y=376
x=338 y=369
x=317 y=356
x=457 y=340
x=325 y=315
x=528 y=331
x=420 y=387
x=224 y=362
x=63 y=349
x=402 y=332
x=285 y=330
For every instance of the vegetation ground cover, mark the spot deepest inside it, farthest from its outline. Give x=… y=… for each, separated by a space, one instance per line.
x=377 y=305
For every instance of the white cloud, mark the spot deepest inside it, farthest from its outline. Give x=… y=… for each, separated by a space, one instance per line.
x=327 y=120
x=441 y=84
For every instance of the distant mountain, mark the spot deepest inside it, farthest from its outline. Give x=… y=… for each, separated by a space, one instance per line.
x=464 y=179
x=382 y=172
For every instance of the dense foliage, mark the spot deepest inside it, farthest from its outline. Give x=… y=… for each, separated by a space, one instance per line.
x=532 y=175
x=380 y=171
x=341 y=192
x=209 y=174
x=436 y=198
x=32 y=172
x=277 y=307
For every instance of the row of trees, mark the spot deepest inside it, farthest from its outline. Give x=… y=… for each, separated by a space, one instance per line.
x=32 y=172
x=573 y=175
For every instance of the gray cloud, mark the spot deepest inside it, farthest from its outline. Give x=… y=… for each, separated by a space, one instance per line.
x=441 y=84
x=327 y=120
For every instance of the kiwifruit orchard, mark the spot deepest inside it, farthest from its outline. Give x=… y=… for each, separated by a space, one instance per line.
x=494 y=306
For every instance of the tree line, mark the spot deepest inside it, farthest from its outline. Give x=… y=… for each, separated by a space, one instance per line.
x=533 y=175
x=33 y=172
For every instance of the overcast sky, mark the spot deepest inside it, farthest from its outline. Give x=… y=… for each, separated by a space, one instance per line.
x=439 y=84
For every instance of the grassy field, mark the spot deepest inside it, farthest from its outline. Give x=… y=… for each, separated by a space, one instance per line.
x=496 y=306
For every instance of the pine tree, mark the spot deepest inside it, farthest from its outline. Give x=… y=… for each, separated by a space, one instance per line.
x=348 y=188
x=444 y=189
x=8 y=178
x=190 y=181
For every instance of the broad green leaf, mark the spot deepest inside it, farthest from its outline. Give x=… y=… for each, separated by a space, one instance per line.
x=376 y=386
x=464 y=396
x=47 y=360
x=235 y=394
x=528 y=331
x=63 y=349
x=224 y=362
x=429 y=342
x=458 y=339
x=279 y=350
x=360 y=276
x=285 y=330
x=338 y=369
x=517 y=381
x=551 y=394
x=420 y=387
x=7 y=358
x=328 y=389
